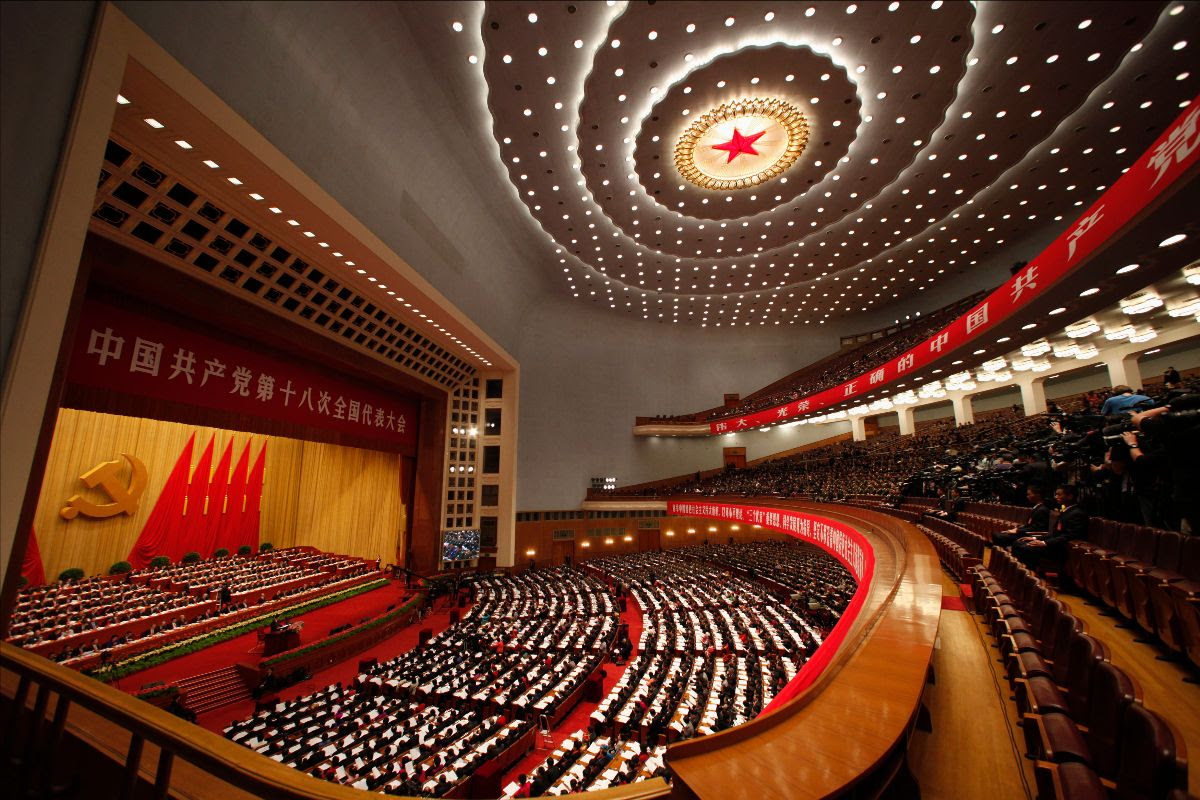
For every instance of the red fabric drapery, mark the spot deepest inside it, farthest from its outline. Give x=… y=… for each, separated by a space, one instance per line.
x=254 y=487
x=207 y=536
x=31 y=565
x=164 y=530
x=230 y=524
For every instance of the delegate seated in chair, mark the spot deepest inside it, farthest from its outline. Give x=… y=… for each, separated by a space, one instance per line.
x=1067 y=525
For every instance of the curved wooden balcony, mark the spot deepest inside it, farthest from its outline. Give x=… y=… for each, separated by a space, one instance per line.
x=847 y=732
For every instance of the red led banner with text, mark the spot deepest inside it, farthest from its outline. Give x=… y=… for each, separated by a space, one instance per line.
x=836 y=538
x=1167 y=160
x=124 y=351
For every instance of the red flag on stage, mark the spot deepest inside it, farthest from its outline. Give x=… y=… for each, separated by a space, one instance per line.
x=31 y=565
x=164 y=531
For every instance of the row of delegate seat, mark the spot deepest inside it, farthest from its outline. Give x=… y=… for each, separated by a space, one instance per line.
x=956 y=558
x=1082 y=716
x=1150 y=577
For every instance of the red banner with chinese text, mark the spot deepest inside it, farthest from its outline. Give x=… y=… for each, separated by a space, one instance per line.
x=123 y=351
x=1167 y=160
x=841 y=541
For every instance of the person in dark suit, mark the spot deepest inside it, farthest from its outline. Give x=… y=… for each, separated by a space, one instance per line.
x=1069 y=524
x=1038 y=523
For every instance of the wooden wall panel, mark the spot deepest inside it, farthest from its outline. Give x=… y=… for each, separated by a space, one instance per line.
x=341 y=499
x=672 y=533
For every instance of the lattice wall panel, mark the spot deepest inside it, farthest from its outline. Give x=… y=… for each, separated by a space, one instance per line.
x=137 y=200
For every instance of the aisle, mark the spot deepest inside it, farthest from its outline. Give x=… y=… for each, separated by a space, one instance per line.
x=975 y=748
x=578 y=719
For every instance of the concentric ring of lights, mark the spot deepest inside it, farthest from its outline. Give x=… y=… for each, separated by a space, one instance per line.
x=790 y=118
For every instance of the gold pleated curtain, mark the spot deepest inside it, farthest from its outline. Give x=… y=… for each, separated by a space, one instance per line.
x=339 y=499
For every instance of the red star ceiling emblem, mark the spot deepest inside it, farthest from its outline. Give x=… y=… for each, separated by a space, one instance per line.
x=739 y=144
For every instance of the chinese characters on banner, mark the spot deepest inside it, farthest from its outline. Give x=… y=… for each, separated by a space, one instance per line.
x=841 y=541
x=127 y=352
x=1167 y=160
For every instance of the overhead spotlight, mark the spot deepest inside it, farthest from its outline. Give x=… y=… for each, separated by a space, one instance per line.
x=1192 y=274
x=1186 y=306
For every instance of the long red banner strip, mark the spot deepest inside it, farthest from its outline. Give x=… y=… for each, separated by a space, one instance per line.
x=838 y=539
x=1167 y=160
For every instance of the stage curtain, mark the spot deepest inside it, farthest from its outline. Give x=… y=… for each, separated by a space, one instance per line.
x=163 y=529
x=193 y=524
x=31 y=565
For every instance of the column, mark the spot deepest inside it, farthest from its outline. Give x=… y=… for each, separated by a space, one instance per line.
x=1123 y=370
x=1033 y=394
x=907 y=421
x=858 y=427
x=963 y=413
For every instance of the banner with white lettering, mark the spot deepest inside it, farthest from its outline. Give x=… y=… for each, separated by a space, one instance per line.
x=124 y=351
x=1167 y=160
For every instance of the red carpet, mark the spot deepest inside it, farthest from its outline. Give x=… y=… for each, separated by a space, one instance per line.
x=952 y=604
x=579 y=718
x=389 y=648
x=316 y=626
x=966 y=590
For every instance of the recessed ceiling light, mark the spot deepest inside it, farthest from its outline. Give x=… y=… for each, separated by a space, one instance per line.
x=153 y=123
x=1127 y=268
x=532 y=17
x=255 y=196
x=997 y=28
x=211 y=164
x=1089 y=292
x=1170 y=240
x=474 y=59
x=770 y=15
x=122 y=100
x=183 y=144
x=1058 y=310
x=1028 y=327
x=234 y=181
x=729 y=22
x=457 y=26
x=293 y=222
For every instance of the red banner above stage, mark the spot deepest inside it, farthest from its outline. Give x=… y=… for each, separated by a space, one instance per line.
x=1167 y=160
x=838 y=539
x=124 y=351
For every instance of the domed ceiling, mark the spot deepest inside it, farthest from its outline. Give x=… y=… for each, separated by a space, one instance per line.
x=736 y=164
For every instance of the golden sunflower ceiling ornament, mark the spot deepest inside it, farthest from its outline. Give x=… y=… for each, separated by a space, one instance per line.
x=741 y=144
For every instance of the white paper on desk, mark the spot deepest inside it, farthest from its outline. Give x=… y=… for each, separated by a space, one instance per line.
x=609 y=775
x=451 y=775
x=414 y=753
x=356 y=750
x=459 y=764
x=330 y=750
x=278 y=757
x=359 y=763
x=409 y=769
x=511 y=789
x=360 y=784
x=237 y=737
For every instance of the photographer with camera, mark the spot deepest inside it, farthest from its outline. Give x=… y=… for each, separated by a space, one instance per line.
x=1169 y=437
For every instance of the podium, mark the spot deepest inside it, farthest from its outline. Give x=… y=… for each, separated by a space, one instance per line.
x=279 y=641
x=424 y=635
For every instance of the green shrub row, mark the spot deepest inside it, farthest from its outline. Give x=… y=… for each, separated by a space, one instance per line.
x=188 y=646
x=411 y=605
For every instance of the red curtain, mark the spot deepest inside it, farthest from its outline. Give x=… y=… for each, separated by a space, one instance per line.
x=164 y=532
x=230 y=528
x=31 y=566
x=206 y=542
x=254 y=486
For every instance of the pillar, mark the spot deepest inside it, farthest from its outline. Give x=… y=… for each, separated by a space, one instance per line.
x=858 y=427
x=1123 y=370
x=1033 y=394
x=963 y=413
x=907 y=420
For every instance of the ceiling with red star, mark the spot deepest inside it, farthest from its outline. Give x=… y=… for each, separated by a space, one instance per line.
x=941 y=135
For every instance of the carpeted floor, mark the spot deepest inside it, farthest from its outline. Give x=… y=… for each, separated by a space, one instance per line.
x=316 y=626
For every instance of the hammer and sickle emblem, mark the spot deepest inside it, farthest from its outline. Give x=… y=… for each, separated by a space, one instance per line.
x=104 y=475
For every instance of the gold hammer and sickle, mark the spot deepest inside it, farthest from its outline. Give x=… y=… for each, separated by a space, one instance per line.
x=104 y=475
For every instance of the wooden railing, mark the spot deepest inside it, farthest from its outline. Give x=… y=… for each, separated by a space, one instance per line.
x=846 y=734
